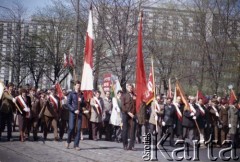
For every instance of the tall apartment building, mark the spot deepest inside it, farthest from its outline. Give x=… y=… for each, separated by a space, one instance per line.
x=187 y=40
x=16 y=38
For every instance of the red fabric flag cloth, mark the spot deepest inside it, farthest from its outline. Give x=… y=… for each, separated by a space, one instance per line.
x=59 y=91
x=232 y=97
x=71 y=63
x=141 y=85
x=87 y=75
x=181 y=93
x=149 y=93
x=66 y=62
x=200 y=95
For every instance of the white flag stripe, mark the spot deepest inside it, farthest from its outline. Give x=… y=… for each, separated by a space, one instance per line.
x=90 y=26
x=87 y=78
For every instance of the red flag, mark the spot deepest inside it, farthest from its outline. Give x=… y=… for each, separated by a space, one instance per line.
x=66 y=62
x=87 y=75
x=232 y=97
x=59 y=91
x=141 y=85
x=180 y=92
x=149 y=93
x=200 y=95
x=71 y=63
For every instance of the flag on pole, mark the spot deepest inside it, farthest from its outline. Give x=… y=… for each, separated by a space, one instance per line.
x=65 y=57
x=232 y=97
x=117 y=86
x=200 y=95
x=141 y=85
x=87 y=75
x=180 y=92
x=59 y=91
x=71 y=63
x=149 y=93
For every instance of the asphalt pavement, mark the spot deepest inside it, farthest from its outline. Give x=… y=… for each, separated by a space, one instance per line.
x=100 y=151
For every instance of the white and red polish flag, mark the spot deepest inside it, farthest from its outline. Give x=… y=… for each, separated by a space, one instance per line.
x=66 y=62
x=59 y=91
x=71 y=63
x=87 y=75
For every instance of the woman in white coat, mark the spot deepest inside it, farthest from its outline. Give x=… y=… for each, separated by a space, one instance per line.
x=116 y=117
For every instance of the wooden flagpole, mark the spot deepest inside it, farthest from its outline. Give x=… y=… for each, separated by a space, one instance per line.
x=154 y=90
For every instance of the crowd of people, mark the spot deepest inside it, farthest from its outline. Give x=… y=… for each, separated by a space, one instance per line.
x=116 y=118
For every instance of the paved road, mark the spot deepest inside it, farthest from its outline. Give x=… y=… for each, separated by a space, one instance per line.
x=104 y=151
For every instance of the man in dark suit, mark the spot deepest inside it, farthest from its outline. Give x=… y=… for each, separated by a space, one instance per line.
x=128 y=115
x=189 y=126
x=169 y=118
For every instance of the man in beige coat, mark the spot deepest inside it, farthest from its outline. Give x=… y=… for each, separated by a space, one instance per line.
x=97 y=108
x=51 y=114
x=155 y=114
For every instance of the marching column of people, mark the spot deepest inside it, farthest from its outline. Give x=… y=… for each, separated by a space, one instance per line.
x=116 y=118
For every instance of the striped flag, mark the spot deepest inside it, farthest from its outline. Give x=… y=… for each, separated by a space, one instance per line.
x=232 y=97
x=59 y=91
x=87 y=75
x=66 y=62
x=71 y=63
